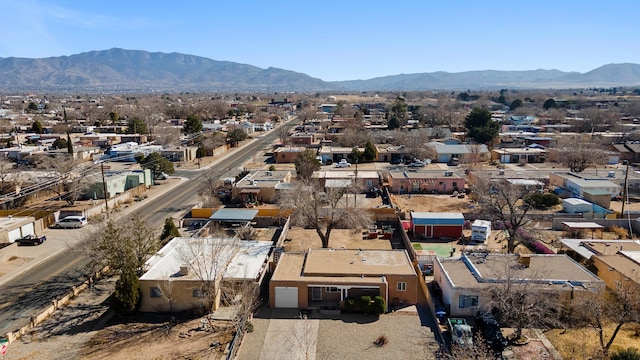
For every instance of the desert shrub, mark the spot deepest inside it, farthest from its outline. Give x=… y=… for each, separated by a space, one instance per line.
x=381 y=340
x=626 y=354
x=365 y=303
x=621 y=232
x=379 y=306
x=543 y=201
x=350 y=304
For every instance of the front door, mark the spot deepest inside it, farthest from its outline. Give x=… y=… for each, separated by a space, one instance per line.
x=316 y=293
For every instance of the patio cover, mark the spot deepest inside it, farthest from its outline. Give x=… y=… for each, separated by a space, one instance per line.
x=234 y=215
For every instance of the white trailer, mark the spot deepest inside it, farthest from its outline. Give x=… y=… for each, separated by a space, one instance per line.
x=480 y=230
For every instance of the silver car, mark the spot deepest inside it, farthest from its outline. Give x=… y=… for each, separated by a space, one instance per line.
x=71 y=222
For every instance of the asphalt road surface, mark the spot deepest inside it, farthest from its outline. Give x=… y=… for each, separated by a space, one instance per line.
x=28 y=293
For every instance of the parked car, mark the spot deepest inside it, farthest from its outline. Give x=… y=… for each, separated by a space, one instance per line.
x=71 y=222
x=31 y=240
x=490 y=330
x=417 y=163
x=343 y=163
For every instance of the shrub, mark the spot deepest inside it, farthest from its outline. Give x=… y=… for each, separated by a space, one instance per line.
x=381 y=340
x=365 y=303
x=621 y=232
x=543 y=201
x=350 y=304
x=626 y=354
x=379 y=306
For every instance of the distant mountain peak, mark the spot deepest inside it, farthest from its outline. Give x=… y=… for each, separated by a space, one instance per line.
x=118 y=69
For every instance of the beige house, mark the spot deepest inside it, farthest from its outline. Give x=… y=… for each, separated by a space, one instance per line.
x=464 y=280
x=260 y=185
x=339 y=178
x=186 y=268
x=326 y=277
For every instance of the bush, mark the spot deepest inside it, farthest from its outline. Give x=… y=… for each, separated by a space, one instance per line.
x=126 y=297
x=379 y=306
x=543 y=201
x=622 y=233
x=626 y=354
x=365 y=304
x=350 y=304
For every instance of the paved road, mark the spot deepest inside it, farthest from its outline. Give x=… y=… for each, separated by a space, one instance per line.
x=27 y=293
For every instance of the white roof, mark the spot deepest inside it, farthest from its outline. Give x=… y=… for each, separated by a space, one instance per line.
x=243 y=259
x=479 y=222
x=576 y=201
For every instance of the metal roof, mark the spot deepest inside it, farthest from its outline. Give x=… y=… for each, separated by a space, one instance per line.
x=230 y=215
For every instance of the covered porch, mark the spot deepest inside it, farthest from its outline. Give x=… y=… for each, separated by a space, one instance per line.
x=333 y=296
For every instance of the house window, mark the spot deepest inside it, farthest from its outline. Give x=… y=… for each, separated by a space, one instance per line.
x=467 y=301
x=156 y=292
x=331 y=290
x=402 y=286
x=369 y=183
x=197 y=293
x=455 y=184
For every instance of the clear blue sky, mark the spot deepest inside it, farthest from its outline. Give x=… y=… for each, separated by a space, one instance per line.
x=337 y=40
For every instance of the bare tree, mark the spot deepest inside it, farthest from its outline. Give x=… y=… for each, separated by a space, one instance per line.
x=598 y=309
x=303 y=338
x=471 y=159
x=507 y=203
x=7 y=184
x=219 y=109
x=243 y=297
x=323 y=209
x=65 y=168
x=207 y=259
x=211 y=187
x=519 y=301
x=578 y=154
x=414 y=142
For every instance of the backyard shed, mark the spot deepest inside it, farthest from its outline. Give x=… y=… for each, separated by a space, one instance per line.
x=574 y=205
x=436 y=224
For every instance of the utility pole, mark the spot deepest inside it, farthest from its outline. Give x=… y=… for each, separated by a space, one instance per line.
x=104 y=190
x=624 y=188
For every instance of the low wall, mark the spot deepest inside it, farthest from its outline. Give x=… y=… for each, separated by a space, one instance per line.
x=55 y=305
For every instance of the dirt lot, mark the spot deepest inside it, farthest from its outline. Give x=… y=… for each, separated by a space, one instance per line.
x=431 y=203
x=303 y=239
x=583 y=343
x=83 y=330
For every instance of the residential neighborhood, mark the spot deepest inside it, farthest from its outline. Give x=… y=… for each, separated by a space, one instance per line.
x=242 y=229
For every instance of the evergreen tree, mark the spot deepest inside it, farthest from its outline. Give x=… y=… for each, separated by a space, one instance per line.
x=36 y=127
x=127 y=293
x=370 y=152
x=170 y=230
x=193 y=125
x=481 y=128
x=69 y=145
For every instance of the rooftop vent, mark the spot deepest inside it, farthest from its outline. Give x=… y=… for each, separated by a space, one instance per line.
x=184 y=270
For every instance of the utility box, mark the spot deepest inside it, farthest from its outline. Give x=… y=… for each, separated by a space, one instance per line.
x=480 y=230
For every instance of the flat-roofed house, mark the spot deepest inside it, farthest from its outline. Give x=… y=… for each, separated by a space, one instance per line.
x=186 y=268
x=326 y=277
x=428 y=181
x=464 y=281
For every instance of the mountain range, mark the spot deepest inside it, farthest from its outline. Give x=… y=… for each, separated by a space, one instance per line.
x=136 y=70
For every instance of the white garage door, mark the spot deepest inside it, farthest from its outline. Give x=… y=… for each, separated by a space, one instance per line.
x=27 y=229
x=287 y=297
x=14 y=235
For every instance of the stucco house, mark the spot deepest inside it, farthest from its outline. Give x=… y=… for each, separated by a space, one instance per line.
x=449 y=153
x=465 y=280
x=260 y=185
x=326 y=277
x=177 y=274
x=425 y=181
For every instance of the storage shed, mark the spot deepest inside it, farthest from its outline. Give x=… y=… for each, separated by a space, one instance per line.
x=436 y=224
x=575 y=205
